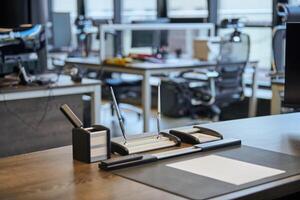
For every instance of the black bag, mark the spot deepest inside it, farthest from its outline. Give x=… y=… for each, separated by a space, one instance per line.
x=176 y=97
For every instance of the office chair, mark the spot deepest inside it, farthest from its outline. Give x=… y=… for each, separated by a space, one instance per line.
x=223 y=85
x=279 y=34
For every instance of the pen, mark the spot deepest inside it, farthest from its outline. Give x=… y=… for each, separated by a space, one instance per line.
x=121 y=123
x=66 y=110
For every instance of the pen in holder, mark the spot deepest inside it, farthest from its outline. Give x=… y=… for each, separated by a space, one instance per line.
x=143 y=142
x=89 y=144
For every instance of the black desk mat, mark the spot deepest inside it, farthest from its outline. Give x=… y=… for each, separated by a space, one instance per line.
x=193 y=186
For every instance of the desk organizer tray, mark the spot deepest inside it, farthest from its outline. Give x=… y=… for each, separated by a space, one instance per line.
x=143 y=142
x=196 y=135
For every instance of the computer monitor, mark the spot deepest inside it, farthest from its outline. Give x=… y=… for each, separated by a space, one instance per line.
x=61 y=24
x=292 y=66
x=154 y=39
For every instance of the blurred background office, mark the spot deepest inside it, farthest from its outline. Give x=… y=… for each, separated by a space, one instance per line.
x=214 y=59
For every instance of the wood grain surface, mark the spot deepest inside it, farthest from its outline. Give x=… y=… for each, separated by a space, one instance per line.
x=52 y=174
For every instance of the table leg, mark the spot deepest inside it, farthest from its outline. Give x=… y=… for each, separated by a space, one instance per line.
x=253 y=98
x=96 y=105
x=146 y=101
x=276 y=100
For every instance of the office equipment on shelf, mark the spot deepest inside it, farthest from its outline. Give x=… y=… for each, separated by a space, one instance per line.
x=138 y=159
x=196 y=135
x=26 y=45
x=89 y=144
x=142 y=142
x=24 y=25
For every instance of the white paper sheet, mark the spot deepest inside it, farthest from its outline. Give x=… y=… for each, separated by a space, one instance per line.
x=225 y=169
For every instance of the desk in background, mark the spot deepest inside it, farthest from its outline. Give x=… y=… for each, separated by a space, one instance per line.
x=32 y=120
x=147 y=70
x=52 y=174
x=63 y=86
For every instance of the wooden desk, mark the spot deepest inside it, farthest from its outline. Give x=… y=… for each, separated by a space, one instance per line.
x=147 y=70
x=52 y=174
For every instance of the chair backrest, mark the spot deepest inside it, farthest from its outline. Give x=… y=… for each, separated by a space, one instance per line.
x=279 y=35
x=234 y=51
x=233 y=57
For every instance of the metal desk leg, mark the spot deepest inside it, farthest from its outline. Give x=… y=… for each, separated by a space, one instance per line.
x=253 y=98
x=96 y=105
x=276 y=100
x=146 y=101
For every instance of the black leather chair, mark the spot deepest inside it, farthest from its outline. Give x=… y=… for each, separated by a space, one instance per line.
x=218 y=87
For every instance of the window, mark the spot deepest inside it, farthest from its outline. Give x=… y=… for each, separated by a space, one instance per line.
x=139 y=10
x=251 y=11
x=69 y=6
x=187 y=8
x=99 y=9
x=255 y=13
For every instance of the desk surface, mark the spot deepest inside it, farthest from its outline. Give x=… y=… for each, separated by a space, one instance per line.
x=52 y=174
x=61 y=81
x=169 y=64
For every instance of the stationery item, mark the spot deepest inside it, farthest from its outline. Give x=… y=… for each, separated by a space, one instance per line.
x=205 y=186
x=127 y=161
x=196 y=135
x=88 y=144
x=121 y=123
x=122 y=159
x=142 y=142
x=233 y=171
x=66 y=110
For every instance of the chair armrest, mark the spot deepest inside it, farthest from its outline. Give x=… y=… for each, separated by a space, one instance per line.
x=201 y=74
x=276 y=74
